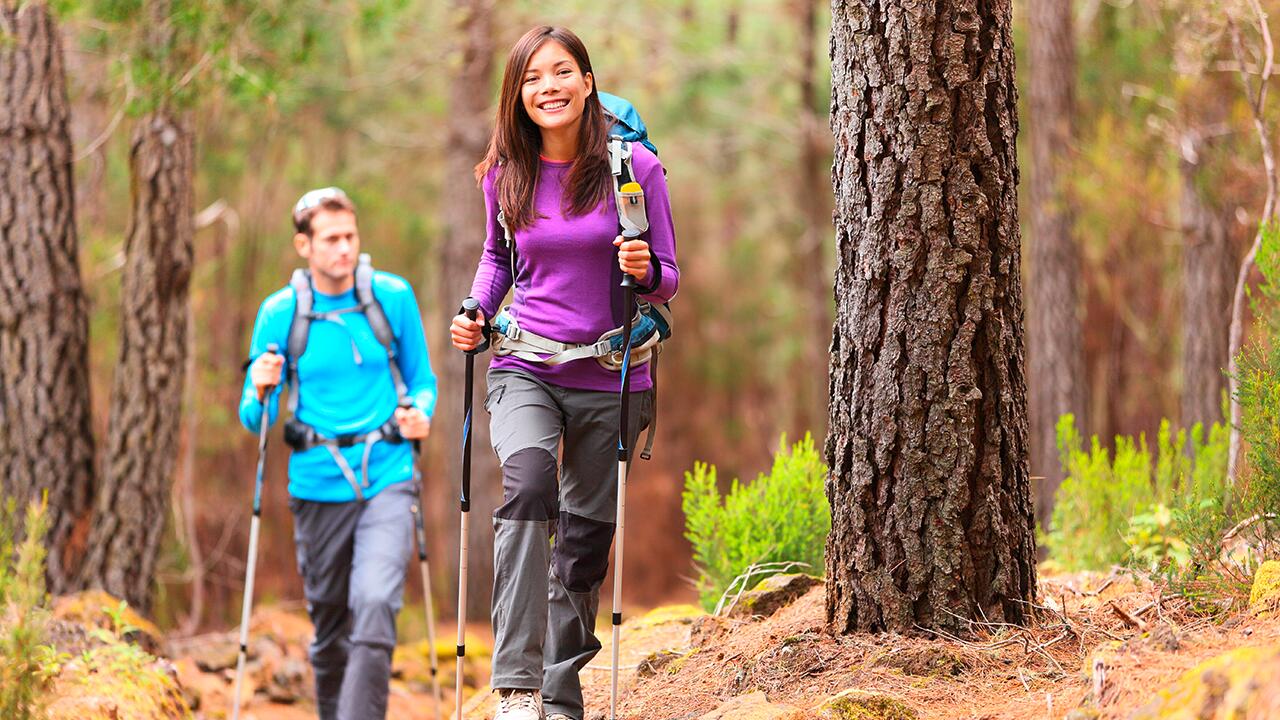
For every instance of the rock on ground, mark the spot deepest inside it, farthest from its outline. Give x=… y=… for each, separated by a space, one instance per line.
x=1243 y=684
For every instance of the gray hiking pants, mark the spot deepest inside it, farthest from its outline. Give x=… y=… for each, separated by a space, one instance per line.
x=545 y=598
x=352 y=557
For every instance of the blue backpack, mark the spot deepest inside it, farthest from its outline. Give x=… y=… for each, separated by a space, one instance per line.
x=627 y=123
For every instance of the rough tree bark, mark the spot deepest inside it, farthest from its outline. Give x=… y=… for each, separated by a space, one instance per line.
x=929 y=486
x=46 y=434
x=1055 y=347
x=1208 y=276
x=470 y=122
x=146 y=393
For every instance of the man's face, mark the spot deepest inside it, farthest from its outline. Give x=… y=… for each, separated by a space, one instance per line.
x=333 y=247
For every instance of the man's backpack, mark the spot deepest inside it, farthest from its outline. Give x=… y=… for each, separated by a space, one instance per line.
x=299 y=435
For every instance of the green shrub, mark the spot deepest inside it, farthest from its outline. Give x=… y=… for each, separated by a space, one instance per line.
x=1136 y=508
x=781 y=517
x=25 y=660
x=1259 y=391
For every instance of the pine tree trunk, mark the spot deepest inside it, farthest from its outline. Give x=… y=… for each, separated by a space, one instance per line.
x=46 y=434
x=470 y=122
x=146 y=394
x=1208 y=279
x=929 y=487
x=1055 y=346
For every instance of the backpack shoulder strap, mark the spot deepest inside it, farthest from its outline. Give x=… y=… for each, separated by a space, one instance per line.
x=508 y=241
x=299 y=330
x=628 y=195
x=377 y=318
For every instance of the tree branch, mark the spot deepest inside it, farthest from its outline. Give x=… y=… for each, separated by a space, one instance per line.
x=1257 y=104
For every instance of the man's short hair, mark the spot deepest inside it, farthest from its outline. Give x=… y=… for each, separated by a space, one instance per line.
x=330 y=198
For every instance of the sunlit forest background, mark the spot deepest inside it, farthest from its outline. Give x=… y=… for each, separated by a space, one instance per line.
x=373 y=97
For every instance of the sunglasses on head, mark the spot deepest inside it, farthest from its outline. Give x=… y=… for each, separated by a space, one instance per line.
x=316 y=197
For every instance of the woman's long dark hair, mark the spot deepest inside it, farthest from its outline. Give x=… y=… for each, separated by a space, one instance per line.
x=516 y=140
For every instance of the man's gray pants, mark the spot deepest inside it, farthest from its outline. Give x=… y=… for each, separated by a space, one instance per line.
x=545 y=599
x=352 y=557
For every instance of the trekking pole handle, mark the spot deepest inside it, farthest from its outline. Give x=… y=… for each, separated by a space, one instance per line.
x=262 y=442
x=274 y=350
x=629 y=280
x=407 y=404
x=471 y=308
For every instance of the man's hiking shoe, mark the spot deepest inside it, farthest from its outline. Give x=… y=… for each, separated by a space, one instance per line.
x=519 y=705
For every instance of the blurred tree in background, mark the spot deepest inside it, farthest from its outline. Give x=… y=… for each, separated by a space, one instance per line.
x=392 y=100
x=1055 y=353
x=46 y=440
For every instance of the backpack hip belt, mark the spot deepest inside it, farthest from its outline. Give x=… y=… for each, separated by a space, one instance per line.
x=646 y=335
x=302 y=437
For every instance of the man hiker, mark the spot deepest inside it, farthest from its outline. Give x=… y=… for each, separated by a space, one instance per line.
x=361 y=388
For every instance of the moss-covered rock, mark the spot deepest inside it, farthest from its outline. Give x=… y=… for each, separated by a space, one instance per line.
x=772 y=594
x=95 y=608
x=657 y=661
x=412 y=662
x=1264 y=599
x=679 y=614
x=1237 y=685
x=863 y=705
x=117 y=680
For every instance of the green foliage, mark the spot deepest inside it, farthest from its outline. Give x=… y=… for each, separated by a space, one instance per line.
x=26 y=662
x=1259 y=388
x=1170 y=514
x=782 y=516
x=1152 y=542
x=129 y=675
x=114 y=667
x=1133 y=507
x=249 y=51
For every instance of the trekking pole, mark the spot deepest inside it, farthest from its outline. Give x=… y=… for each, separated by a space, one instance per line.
x=471 y=307
x=624 y=455
x=253 y=544
x=420 y=534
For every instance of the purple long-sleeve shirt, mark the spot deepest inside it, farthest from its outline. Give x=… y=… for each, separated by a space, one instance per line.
x=567 y=286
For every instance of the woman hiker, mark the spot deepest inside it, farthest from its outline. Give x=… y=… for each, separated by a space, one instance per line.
x=547 y=172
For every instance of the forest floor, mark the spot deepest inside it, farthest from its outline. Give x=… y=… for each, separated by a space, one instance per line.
x=1100 y=646
x=1078 y=642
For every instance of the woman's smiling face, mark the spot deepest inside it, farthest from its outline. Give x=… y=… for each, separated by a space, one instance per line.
x=554 y=90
